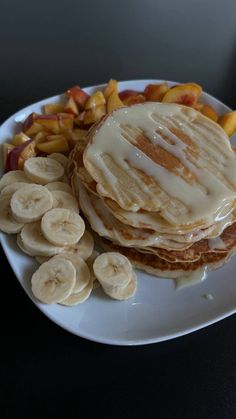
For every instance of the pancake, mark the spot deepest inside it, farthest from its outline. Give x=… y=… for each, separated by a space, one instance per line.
x=163 y=158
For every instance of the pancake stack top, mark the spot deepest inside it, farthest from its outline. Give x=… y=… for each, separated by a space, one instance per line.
x=157 y=182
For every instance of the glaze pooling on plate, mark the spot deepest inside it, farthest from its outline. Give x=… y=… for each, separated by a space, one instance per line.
x=157 y=312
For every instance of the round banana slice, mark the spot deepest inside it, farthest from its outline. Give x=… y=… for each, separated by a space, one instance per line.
x=30 y=202
x=43 y=170
x=112 y=269
x=62 y=227
x=123 y=293
x=84 y=247
x=64 y=200
x=35 y=243
x=82 y=270
x=12 y=177
x=12 y=188
x=21 y=245
x=78 y=297
x=61 y=158
x=59 y=186
x=41 y=259
x=54 y=281
x=7 y=222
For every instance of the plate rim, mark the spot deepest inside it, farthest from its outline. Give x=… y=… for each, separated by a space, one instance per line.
x=84 y=335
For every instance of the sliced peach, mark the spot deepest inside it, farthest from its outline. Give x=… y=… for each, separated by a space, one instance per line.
x=66 y=121
x=78 y=95
x=76 y=135
x=40 y=137
x=52 y=108
x=228 y=122
x=79 y=120
x=20 y=138
x=71 y=107
x=96 y=99
x=127 y=93
x=185 y=94
x=210 y=112
x=132 y=100
x=30 y=126
x=112 y=86
x=57 y=145
x=6 y=149
x=114 y=102
x=18 y=155
x=93 y=115
x=156 y=92
x=50 y=122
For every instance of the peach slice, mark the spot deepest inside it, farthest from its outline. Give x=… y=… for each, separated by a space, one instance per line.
x=185 y=94
x=127 y=93
x=156 y=92
x=20 y=138
x=50 y=122
x=93 y=115
x=132 y=100
x=228 y=122
x=79 y=120
x=66 y=121
x=6 y=149
x=210 y=112
x=71 y=107
x=18 y=155
x=52 y=108
x=78 y=95
x=112 y=86
x=114 y=102
x=96 y=99
x=30 y=126
x=55 y=144
x=76 y=135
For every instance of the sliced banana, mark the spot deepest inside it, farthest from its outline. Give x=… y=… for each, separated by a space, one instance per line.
x=64 y=200
x=7 y=222
x=61 y=158
x=84 y=247
x=82 y=270
x=112 y=269
x=35 y=242
x=90 y=262
x=41 y=259
x=62 y=227
x=54 y=281
x=123 y=293
x=30 y=202
x=21 y=245
x=59 y=186
x=43 y=170
x=12 y=177
x=78 y=297
x=12 y=188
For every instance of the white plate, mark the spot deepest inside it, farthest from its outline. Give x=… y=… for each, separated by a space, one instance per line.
x=157 y=312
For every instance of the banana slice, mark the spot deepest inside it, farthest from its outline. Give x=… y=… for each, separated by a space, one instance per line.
x=90 y=262
x=7 y=222
x=62 y=227
x=30 y=202
x=123 y=293
x=35 y=243
x=112 y=269
x=12 y=188
x=78 y=297
x=82 y=270
x=64 y=200
x=84 y=247
x=54 y=281
x=59 y=186
x=43 y=170
x=12 y=177
x=41 y=259
x=61 y=158
x=21 y=245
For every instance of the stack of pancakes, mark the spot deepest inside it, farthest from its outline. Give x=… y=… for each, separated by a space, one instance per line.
x=157 y=182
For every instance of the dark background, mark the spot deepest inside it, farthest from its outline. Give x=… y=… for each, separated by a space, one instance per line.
x=45 y=47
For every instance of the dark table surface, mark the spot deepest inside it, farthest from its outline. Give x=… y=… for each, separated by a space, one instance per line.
x=46 y=47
